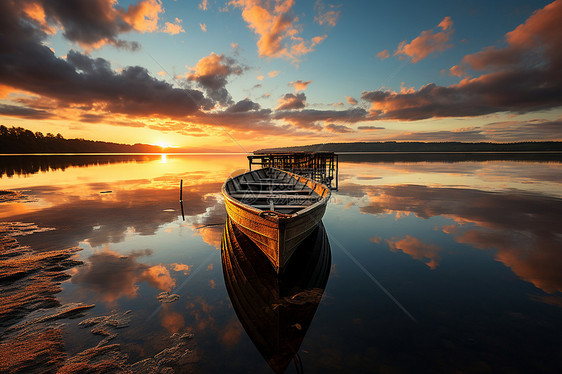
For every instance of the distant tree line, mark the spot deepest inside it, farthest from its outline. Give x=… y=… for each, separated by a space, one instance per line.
x=422 y=147
x=20 y=140
x=31 y=164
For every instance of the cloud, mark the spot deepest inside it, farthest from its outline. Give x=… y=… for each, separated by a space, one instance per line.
x=186 y=269
x=426 y=43
x=520 y=227
x=523 y=76
x=273 y=73
x=203 y=5
x=340 y=129
x=212 y=72
x=173 y=28
x=323 y=16
x=80 y=81
x=277 y=28
x=244 y=105
x=143 y=16
x=291 y=101
x=309 y=118
x=370 y=128
x=112 y=276
x=23 y=112
x=427 y=253
x=144 y=207
x=351 y=100
x=383 y=55
x=203 y=27
x=457 y=71
x=94 y=23
x=300 y=85
x=159 y=277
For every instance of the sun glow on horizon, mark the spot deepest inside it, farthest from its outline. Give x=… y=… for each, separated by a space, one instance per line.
x=164 y=145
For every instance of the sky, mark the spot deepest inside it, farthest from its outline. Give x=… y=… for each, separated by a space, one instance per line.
x=241 y=75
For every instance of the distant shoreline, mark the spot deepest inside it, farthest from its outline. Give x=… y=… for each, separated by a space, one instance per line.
x=421 y=147
x=387 y=153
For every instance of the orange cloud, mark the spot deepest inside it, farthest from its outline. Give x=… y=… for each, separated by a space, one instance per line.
x=273 y=73
x=325 y=17
x=231 y=333
x=159 y=277
x=383 y=55
x=277 y=28
x=351 y=100
x=186 y=269
x=211 y=65
x=36 y=12
x=427 y=42
x=300 y=85
x=172 y=321
x=143 y=17
x=211 y=72
x=203 y=27
x=376 y=239
x=427 y=253
x=203 y=5
x=173 y=28
x=457 y=71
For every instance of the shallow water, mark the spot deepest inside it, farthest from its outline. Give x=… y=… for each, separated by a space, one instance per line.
x=435 y=266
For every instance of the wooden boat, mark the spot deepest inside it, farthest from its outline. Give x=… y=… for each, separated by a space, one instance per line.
x=276 y=209
x=275 y=310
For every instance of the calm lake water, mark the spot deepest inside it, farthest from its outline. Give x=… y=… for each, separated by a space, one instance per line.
x=435 y=266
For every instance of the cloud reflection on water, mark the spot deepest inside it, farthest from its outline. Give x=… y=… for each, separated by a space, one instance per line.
x=111 y=275
x=523 y=228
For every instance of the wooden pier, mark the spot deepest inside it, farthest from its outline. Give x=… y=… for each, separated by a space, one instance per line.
x=320 y=166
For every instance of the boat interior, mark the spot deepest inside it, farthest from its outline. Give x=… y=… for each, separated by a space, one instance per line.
x=275 y=190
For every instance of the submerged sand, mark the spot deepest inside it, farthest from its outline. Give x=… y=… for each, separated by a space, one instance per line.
x=32 y=319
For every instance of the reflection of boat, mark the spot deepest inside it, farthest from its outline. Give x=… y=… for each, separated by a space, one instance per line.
x=276 y=209
x=275 y=310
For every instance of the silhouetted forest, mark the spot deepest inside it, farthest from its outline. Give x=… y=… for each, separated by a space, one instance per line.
x=31 y=164
x=20 y=140
x=421 y=147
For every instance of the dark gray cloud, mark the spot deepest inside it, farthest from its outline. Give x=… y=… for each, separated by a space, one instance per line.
x=244 y=105
x=27 y=64
x=19 y=111
x=340 y=129
x=292 y=101
x=306 y=117
x=369 y=128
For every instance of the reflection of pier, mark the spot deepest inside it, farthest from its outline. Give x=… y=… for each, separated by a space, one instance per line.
x=320 y=166
x=275 y=310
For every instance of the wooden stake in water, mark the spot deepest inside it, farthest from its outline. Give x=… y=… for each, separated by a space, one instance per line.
x=181 y=190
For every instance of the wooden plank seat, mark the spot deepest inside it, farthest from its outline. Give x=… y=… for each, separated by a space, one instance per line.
x=257 y=192
x=267 y=207
x=275 y=196
x=266 y=183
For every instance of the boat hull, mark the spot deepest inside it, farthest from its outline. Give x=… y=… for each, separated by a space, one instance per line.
x=277 y=235
x=275 y=310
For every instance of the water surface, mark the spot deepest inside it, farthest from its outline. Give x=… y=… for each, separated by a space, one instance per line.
x=435 y=266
